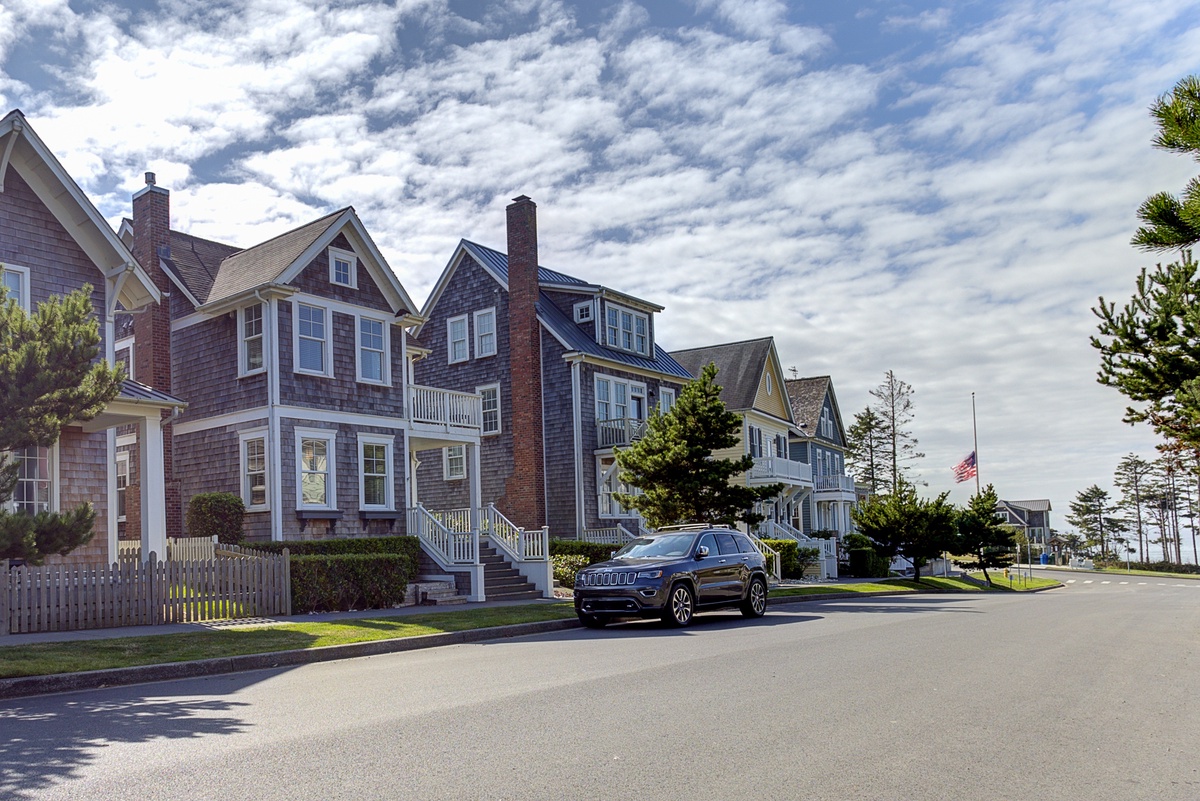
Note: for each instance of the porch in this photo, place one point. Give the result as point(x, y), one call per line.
point(778, 469)
point(827, 566)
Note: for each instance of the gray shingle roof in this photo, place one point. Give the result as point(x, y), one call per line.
point(264, 262)
point(807, 397)
point(1038, 505)
point(196, 261)
point(740, 367)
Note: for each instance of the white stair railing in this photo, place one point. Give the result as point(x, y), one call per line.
point(615, 535)
point(772, 556)
point(519, 544)
point(458, 520)
point(455, 547)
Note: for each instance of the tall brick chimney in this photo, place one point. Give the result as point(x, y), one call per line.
point(525, 490)
point(152, 328)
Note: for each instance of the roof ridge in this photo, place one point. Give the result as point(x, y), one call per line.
point(724, 344)
point(291, 231)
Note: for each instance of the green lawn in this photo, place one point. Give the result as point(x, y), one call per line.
point(71, 657)
point(786, 592)
point(1019, 583)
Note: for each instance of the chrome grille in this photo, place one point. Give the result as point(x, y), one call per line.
point(611, 578)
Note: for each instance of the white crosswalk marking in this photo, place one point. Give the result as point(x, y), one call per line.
point(1124, 582)
point(1089, 581)
point(1106, 582)
point(1140, 583)
point(1070, 581)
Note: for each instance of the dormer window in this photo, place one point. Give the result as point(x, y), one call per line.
point(627, 330)
point(343, 268)
point(583, 312)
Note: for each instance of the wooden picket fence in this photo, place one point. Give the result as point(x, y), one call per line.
point(234, 583)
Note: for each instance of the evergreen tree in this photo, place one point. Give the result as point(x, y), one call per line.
point(981, 535)
point(49, 377)
point(1131, 479)
point(900, 523)
point(894, 405)
point(867, 451)
point(673, 465)
point(1092, 514)
point(1174, 223)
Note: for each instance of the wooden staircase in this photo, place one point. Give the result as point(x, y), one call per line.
point(502, 581)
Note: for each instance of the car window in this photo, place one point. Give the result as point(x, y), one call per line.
point(667, 545)
point(728, 546)
point(710, 542)
point(746, 545)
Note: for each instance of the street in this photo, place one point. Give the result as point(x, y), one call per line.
point(1086, 692)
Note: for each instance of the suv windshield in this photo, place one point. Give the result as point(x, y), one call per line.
point(665, 546)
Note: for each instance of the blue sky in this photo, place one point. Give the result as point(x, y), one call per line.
point(942, 190)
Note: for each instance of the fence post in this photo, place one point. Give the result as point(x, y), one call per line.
point(4, 596)
point(287, 582)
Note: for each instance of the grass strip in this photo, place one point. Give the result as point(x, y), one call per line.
point(786, 592)
point(71, 657)
point(937, 583)
point(1018, 584)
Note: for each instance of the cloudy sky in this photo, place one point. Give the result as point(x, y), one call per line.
point(940, 190)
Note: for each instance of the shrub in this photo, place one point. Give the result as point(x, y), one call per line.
point(865, 563)
point(218, 513)
point(788, 567)
point(341, 582)
point(806, 558)
point(406, 546)
point(566, 566)
point(594, 551)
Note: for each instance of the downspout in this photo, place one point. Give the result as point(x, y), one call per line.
point(580, 519)
point(273, 442)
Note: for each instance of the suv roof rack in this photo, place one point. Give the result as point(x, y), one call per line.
point(693, 527)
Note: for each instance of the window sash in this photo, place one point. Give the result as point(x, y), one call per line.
point(456, 462)
point(376, 473)
point(485, 333)
point(255, 479)
point(457, 339)
point(122, 484)
point(311, 330)
point(491, 409)
point(14, 280)
point(341, 271)
point(252, 338)
point(33, 491)
point(371, 350)
point(666, 399)
point(314, 471)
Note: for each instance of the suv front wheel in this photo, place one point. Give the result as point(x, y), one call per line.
point(755, 604)
point(681, 606)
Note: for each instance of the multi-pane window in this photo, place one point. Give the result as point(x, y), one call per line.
point(342, 267)
point(254, 478)
point(617, 399)
point(627, 330)
point(375, 459)
point(781, 445)
point(371, 350)
point(32, 493)
point(609, 483)
point(666, 399)
point(252, 339)
point(315, 471)
point(16, 282)
point(485, 333)
point(122, 483)
point(312, 332)
point(603, 401)
point(456, 339)
point(456, 462)
point(756, 442)
point(491, 409)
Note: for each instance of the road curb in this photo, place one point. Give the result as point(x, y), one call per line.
point(24, 686)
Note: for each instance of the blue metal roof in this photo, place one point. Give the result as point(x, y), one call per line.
point(577, 340)
point(497, 262)
point(140, 393)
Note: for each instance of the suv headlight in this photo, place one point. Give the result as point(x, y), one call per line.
point(649, 574)
point(579, 578)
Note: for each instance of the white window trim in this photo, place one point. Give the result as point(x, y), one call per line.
point(770, 384)
point(585, 312)
point(499, 409)
point(387, 350)
point(241, 332)
point(345, 255)
point(479, 354)
point(257, 433)
point(388, 442)
point(663, 394)
point(126, 343)
point(52, 455)
point(629, 392)
point(122, 456)
point(633, 333)
point(26, 291)
point(328, 372)
point(450, 342)
point(330, 436)
point(446, 463)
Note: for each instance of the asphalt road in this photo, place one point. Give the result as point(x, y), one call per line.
point(1087, 692)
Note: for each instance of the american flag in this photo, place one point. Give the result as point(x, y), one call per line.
point(966, 469)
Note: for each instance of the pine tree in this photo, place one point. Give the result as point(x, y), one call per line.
point(49, 377)
point(1131, 479)
point(867, 451)
point(985, 538)
point(894, 405)
point(1174, 223)
point(901, 523)
point(1092, 514)
point(673, 465)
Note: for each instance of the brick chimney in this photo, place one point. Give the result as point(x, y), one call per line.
point(525, 490)
point(152, 328)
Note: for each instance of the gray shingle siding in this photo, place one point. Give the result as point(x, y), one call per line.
point(314, 279)
point(217, 450)
point(204, 367)
point(558, 439)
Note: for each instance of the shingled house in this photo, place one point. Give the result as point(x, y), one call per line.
point(54, 241)
point(819, 440)
point(568, 371)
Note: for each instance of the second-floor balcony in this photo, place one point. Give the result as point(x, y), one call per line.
point(773, 469)
point(619, 432)
point(445, 407)
point(839, 484)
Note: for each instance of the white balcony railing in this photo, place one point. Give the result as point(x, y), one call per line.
point(616, 535)
point(445, 407)
point(777, 468)
point(835, 483)
point(619, 431)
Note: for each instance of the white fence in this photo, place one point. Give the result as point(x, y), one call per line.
point(444, 407)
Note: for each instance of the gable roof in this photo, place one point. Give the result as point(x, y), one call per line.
point(23, 150)
point(1038, 505)
point(740, 366)
point(807, 396)
point(195, 262)
point(563, 329)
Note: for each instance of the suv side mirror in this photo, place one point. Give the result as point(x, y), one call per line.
point(702, 552)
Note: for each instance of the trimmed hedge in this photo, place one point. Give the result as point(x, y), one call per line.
point(218, 513)
point(594, 551)
point(865, 563)
point(404, 545)
point(342, 582)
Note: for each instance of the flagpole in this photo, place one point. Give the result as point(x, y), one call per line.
point(975, 431)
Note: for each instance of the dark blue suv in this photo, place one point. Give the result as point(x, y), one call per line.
point(672, 574)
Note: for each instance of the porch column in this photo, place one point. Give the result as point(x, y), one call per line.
point(154, 489)
point(476, 491)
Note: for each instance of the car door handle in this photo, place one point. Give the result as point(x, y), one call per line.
point(722, 561)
